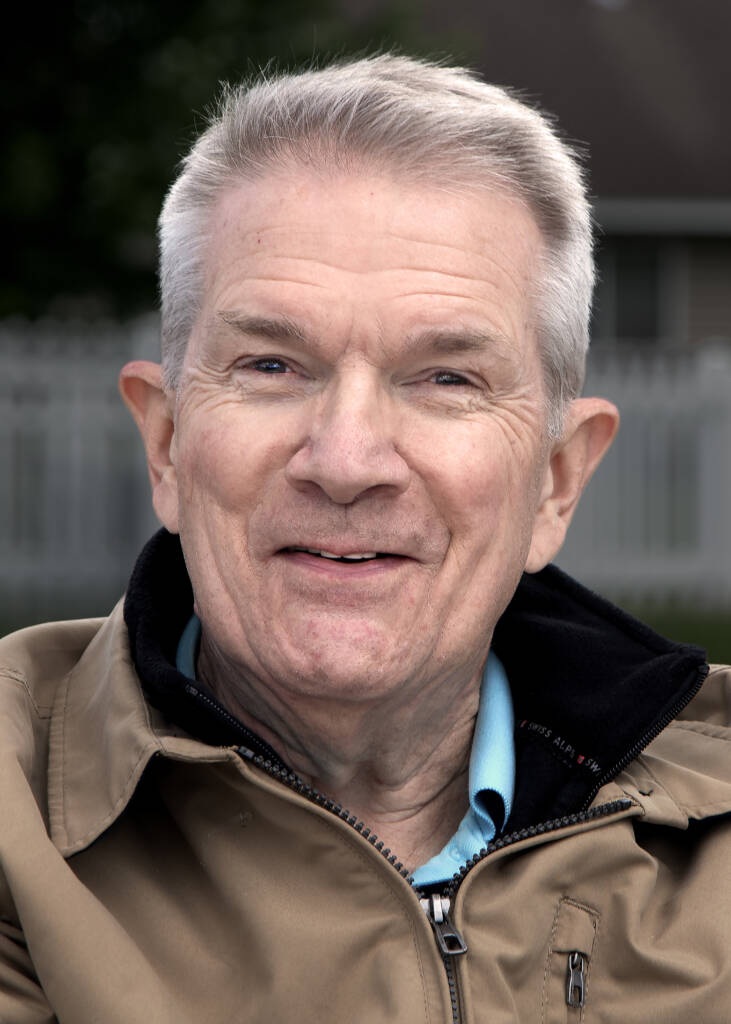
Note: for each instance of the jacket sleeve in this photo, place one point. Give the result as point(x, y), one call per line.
point(22, 1000)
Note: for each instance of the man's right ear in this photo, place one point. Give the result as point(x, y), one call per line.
point(140, 384)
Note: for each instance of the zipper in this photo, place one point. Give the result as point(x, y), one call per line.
point(285, 775)
point(253, 742)
point(575, 980)
point(281, 773)
point(649, 736)
point(449, 939)
point(552, 825)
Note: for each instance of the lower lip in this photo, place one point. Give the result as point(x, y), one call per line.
point(343, 570)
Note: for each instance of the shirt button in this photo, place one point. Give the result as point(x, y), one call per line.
point(454, 853)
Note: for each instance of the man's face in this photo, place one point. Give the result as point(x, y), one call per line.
point(363, 379)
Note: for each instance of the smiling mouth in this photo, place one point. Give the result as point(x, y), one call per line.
point(355, 556)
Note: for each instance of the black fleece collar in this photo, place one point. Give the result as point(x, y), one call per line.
point(591, 685)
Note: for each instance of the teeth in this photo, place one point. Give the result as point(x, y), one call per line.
point(361, 556)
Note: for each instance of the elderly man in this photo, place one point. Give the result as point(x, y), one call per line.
point(350, 751)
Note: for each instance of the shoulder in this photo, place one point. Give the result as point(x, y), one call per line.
point(712, 703)
point(684, 775)
point(36, 660)
point(35, 666)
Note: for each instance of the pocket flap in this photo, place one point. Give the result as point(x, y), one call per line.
point(575, 928)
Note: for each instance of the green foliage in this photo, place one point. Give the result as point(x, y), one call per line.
point(710, 629)
point(101, 100)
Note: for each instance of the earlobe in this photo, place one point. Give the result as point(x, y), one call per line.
point(140, 384)
point(591, 424)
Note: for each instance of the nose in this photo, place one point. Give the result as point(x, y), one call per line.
point(351, 448)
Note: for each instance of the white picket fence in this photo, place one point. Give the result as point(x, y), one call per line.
point(74, 500)
point(655, 523)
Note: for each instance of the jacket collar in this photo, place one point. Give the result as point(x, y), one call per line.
point(683, 776)
point(103, 734)
point(591, 688)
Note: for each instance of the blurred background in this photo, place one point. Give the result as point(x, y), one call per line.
point(102, 98)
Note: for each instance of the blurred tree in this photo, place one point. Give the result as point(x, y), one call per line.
point(101, 99)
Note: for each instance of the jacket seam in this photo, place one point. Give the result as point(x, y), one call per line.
point(123, 799)
point(701, 811)
point(687, 810)
point(549, 959)
point(587, 980)
point(62, 769)
point(353, 845)
point(100, 825)
point(706, 730)
point(646, 767)
point(595, 915)
point(41, 710)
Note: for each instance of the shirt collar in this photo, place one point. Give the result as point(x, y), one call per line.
point(491, 778)
point(187, 652)
point(492, 760)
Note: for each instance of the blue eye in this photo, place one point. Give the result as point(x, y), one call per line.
point(270, 365)
point(445, 377)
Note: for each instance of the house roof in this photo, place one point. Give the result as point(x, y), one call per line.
point(646, 84)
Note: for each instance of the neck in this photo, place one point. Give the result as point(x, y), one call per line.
point(400, 767)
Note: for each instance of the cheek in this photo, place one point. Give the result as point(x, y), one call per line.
point(470, 464)
point(485, 489)
point(222, 461)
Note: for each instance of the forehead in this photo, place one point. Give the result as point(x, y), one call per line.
point(305, 246)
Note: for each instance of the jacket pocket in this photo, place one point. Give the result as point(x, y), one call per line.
point(566, 995)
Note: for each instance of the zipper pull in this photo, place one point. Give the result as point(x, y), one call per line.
point(449, 940)
point(575, 980)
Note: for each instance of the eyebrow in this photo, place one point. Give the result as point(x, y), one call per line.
point(443, 341)
point(451, 341)
point(276, 328)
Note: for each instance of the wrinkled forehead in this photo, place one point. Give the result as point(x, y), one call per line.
point(373, 233)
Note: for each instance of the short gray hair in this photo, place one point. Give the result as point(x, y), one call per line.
point(420, 120)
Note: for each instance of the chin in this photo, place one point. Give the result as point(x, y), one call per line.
point(344, 672)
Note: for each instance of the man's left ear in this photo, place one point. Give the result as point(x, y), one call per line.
point(590, 426)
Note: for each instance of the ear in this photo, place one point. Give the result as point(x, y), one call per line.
point(140, 384)
point(591, 424)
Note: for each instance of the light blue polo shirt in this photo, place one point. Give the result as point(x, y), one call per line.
point(491, 771)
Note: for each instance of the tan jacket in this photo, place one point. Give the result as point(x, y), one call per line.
point(148, 877)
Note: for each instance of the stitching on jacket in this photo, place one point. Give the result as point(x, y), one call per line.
point(689, 809)
point(62, 774)
point(595, 916)
point(549, 957)
point(707, 810)
point(42, 710)
point(586, 907)
point(705, 729)
point(661, 787)
point(124, 797)
point(148, 750)
point(99, 826)
point(405, 909)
